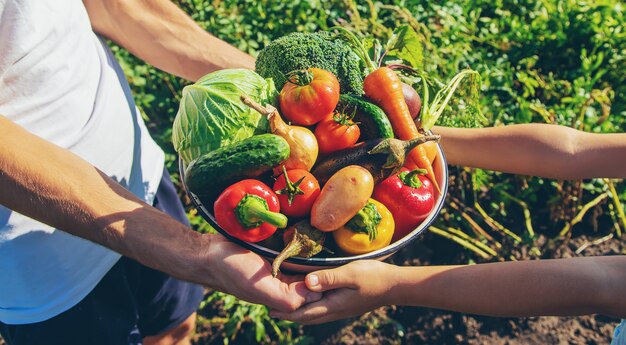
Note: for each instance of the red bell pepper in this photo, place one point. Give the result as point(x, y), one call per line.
point(248, 210)
point(409, 196)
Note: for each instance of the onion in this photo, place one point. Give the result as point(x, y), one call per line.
point(303, 147)
point(302, 143)
point(412, 99)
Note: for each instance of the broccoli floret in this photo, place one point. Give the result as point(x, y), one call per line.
point(303, 50)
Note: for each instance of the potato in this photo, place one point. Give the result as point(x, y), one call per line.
point(345, 193)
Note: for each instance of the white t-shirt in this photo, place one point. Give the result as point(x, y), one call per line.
point(59, 81)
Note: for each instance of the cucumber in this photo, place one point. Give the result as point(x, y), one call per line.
point(209, 174)
point(372, 120)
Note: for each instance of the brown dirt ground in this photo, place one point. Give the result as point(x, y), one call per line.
point(411, 325)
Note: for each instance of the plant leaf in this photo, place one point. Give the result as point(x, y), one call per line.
point(405, 44)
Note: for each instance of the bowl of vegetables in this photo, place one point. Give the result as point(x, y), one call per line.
point(329, 252)
point(312, 176)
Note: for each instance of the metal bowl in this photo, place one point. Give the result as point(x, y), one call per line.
point(305, 265)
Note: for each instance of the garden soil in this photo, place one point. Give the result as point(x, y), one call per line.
point(412, 325)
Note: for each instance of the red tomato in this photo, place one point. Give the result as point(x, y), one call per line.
point(309, 96)
point(336, 133)
point(296, 194)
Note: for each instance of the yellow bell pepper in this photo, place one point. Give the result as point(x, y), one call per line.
point(371, 229)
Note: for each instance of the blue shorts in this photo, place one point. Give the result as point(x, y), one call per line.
point(131, 301)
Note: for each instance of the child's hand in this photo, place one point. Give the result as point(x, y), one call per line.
point(351, 290)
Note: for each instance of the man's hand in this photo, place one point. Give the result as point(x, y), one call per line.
point(350, 290)
point(244, 274)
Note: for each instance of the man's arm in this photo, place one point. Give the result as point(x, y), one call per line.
point(56, 187)
point(537, 149)
point(160, 33)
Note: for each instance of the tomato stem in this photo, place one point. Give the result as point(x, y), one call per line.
point(292, 189)
point(252, 211)
point(344, 119)
point(300, 77)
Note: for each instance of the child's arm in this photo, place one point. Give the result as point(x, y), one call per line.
point(537, 149)
point(523, 288)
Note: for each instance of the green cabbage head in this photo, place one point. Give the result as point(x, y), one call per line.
point(211, 114)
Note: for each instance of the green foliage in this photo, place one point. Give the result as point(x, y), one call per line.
point(407, 46)
point(248, 323)
point(559, 61)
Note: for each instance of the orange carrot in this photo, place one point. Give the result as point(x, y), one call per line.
point(431, 150)
point(383, 86)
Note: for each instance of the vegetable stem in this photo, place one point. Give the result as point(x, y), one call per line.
point(300, 240)
point(616, 226)
point(425, 102)
point(410, 144)
point(496, 224)
point(292, 189)
point(357, 47)
point(593, 243)
point(366, 221)
point(300, 77)
point(252, 210)
point(256, 106)
point(293, 248)
point(618, 204)
point(432, 112)
point(397, 150)
point(474, 241)
point(527, 216)
point(478, 230)
point(460, 241)
point(410, 178)
point(582, 212)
